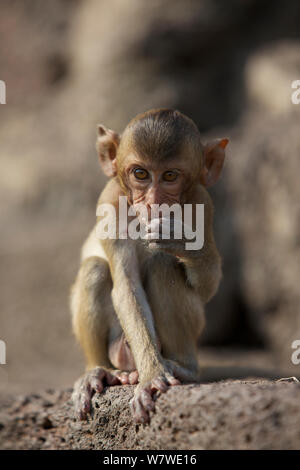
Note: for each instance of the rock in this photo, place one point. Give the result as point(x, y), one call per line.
point(250, 414)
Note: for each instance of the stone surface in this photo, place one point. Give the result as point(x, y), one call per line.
point(250, 414)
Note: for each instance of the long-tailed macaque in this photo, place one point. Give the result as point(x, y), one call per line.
point(138, 304)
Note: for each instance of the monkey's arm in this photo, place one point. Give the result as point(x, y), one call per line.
point(135, 316)
point(202, 266)
point(128, 295)
point(131, 306)
point(204, 273)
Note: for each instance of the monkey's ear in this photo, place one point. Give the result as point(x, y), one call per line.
point(107, 146)
point(214, 155)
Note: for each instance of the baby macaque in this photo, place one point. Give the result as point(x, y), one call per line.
point(138, 302)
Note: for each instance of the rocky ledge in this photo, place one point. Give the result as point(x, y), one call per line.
point(248, 414)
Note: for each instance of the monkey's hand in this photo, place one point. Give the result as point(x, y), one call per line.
point(173, 236)
point(143, 401)
point(94, 381)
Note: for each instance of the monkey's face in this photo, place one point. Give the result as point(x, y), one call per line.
point(159, 157)
point(150, 183)
point(159, 161)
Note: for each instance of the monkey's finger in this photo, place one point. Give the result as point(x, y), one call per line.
point(82, 406)
point(147, 400)
point(80, 414)
point(77, 407)
point(133, 377)
point(159, 384)
point(123, 377)
point(172, 380)
point(82, 398)
point(165, 225)
point(96, 384)
point(112, 379)
point(85, 405)
point(140, 415)
point(100, 373)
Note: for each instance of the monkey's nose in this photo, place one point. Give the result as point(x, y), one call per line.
point(154, 196)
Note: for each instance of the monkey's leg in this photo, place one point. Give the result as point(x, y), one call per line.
point(95, 326)
point(178, 316)
point(178, 320)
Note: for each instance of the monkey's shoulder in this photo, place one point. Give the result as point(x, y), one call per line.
point(111, 192)
point(200, 195)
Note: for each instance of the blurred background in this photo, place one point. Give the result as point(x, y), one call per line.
point(69, 64)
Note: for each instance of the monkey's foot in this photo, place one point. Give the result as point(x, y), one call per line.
point(127, 378)
point(143, 401)
point(94, 381)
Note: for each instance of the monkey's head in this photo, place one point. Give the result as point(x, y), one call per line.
point(160, 157)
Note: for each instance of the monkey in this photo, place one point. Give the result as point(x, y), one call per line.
point(137, 305)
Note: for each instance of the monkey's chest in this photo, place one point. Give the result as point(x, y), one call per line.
point(162, 271)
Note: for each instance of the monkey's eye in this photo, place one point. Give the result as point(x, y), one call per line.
point(140, 174)
point(170, 176)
